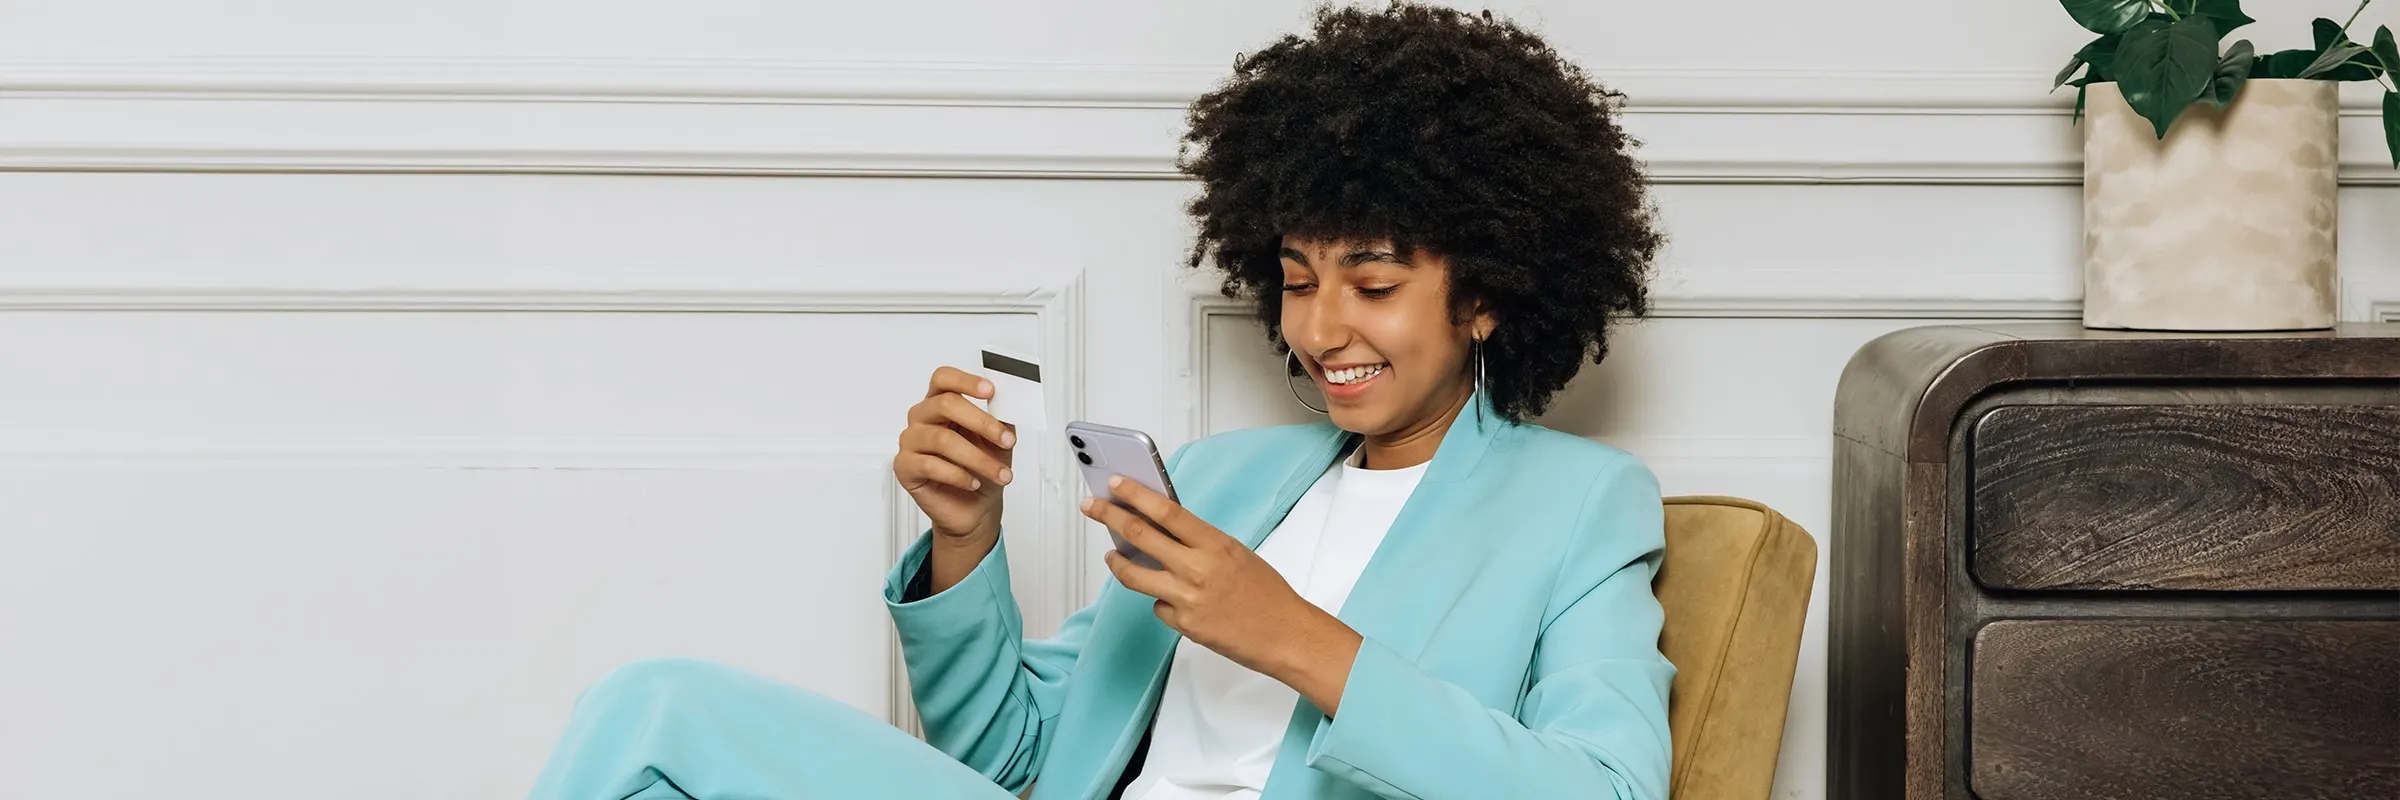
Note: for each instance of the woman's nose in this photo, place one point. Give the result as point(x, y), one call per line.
point(1318, 327)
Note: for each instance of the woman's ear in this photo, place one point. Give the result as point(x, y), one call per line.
point(1482, 326)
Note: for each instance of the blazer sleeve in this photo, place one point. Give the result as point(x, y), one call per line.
point(1593, 719)
point(988, 696)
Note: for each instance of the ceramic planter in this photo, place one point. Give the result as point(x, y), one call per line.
point(2227, 224)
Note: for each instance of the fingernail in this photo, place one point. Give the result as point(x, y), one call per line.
point(1007, 475)
point(1116, 481)
point(984, 387)
point(1088, 503)
point(974, 484)
point(1008, 438)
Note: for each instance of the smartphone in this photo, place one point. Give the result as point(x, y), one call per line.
point(1102, 451)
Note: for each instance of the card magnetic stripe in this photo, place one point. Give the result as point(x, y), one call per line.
point(1010, 366)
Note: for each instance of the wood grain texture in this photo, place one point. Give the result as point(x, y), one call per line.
point(1900, 392)
point(2196, 709)
point(2211, 497)
point(1905, 606)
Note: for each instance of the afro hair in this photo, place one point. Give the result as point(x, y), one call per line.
point(1441, 130)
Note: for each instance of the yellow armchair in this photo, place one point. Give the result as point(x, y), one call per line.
point(1735, 585)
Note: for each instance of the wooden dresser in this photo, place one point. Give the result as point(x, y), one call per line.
point(2090, 564)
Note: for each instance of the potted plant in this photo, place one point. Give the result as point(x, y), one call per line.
point(2210, 170)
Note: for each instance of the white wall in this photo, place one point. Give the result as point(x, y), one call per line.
point(378, 374)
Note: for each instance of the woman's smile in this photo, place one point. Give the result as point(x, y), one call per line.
point(1349, 384)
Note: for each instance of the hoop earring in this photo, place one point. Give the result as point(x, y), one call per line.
point(1292, 368)
point(1480, 384)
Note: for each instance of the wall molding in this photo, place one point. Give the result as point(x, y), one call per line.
point(1056, 301)
point(957, 292)
point(643, 79)
point(907, 523)
point(1190, 350)
point(970, 120)
point(1193, 302)
point(2386, 309)
point(621, 80)
point(474, 451)
point(1925, 308)
point(2367, 298)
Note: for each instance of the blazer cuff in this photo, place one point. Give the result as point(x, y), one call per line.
point(1384, 693)
point(965, 606)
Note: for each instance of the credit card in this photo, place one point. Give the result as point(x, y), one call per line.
point(1017, 396)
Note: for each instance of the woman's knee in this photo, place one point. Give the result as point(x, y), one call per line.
point(653, 679)
point(688, 683)
point(693, 701)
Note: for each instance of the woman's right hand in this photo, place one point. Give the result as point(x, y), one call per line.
point(954, 459)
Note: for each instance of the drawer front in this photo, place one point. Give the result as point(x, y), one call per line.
point(2209, 497)
point(2062, 709)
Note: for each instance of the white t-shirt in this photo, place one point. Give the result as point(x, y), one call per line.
point(1219, 724)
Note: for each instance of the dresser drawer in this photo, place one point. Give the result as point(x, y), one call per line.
point(2063, 709)
point(2208, 497)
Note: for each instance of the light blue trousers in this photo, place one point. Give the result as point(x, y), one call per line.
point(674, 729)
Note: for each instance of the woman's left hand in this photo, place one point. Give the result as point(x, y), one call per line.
point(1221, 594)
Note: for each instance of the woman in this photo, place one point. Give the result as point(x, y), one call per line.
point(1424, 596)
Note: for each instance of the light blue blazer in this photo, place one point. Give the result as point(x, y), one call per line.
point(1511, 635)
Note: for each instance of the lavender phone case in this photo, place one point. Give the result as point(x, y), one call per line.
point(1101, 451)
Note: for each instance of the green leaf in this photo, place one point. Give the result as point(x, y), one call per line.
point(2100, 53)
point(2067, 73)
point(2227, 14)
point(2358, 69)
point(2283, 64)
point(2231, 72)
point(2107, 16)
point(2163, 67)
point(2327, 33)
point(2334, 59)
point(2334, 52)
point(2387, 51)
point(2391, 126)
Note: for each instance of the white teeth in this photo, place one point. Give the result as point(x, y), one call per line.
point(1353, 374)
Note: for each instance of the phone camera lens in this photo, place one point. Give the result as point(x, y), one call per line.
point(1086, 458)
point(1077, 441)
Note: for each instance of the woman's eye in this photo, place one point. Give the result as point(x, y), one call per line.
point(1298, 287)
point(1381, 291)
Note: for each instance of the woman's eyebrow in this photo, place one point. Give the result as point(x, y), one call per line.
point(1355, 258)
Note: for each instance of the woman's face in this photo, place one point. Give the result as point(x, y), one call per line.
point(1374, 332)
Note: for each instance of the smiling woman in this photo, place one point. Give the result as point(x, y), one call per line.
point(1425, 595)
point(1479, 152)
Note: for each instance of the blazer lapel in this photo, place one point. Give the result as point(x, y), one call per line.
point(1303, 473)
point(1397, 600)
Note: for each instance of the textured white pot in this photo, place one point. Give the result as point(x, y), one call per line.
point(2228, 224)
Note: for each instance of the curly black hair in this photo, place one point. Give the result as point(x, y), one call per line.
point(1433, 129)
